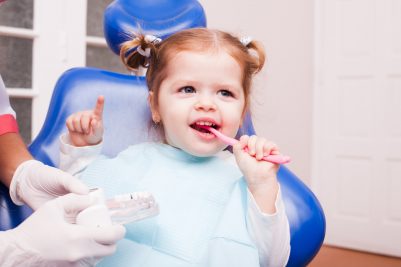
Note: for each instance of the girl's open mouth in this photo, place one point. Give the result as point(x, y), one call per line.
point(200, 127)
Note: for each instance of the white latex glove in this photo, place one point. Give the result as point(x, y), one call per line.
point(46, 239)
point(34, 183)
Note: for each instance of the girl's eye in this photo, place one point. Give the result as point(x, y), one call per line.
point(187, 90)
point(226, 93)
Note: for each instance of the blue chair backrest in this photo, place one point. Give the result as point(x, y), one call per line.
point(11, 215)
point(127, 116)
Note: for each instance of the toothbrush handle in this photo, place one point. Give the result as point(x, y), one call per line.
point(277, 159)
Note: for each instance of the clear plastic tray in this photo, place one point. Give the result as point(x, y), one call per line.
point(132, 207)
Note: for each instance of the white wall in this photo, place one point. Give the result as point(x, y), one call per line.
point(282, 96)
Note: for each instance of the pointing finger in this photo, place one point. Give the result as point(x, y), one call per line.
point(98, 111)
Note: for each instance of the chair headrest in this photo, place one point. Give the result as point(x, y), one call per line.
point(157, 17)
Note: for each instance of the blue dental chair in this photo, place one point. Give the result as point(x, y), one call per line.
point(126, 115)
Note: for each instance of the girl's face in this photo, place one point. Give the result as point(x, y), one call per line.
point(200, 89)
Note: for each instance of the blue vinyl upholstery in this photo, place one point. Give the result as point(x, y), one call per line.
point(127, 116)
point(10, 214)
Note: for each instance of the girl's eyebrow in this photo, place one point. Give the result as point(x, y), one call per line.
point(226, 85)
point(185, 82)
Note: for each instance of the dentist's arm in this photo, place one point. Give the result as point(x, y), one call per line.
point(30, 181)
point(12, 149)
point(12, 153)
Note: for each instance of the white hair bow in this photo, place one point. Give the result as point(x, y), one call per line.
point(148, 39)
point(245, 40)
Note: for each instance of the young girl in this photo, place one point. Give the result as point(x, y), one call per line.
point(216, 209)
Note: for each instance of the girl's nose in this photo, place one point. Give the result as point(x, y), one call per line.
point(205, 105)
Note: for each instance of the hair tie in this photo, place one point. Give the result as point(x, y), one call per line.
point(245, 40)
point(145, 53)
point(152, 39)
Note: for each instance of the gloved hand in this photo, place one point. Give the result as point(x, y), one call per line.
point(46, 239)
point(34, 184)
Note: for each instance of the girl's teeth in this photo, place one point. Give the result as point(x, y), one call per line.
point(207, 123)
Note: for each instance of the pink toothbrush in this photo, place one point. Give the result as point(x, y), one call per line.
point(277, 159)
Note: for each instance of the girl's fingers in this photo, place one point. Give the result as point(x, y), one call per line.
point(260, 148)
point(267, 148)
point(270, 148)
point(69, 124)
point(243, 141)
point(73, 123)
point(85, 123)
point(251, 145)
point(93, 126)
point(76, 121)
point(275, 151)
point(98, 110)
point(257, 147)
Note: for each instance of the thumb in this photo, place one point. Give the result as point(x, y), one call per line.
point(97, 128)
point(108, 235)
point(73, 203)
point(240, 145)
point(72, 185)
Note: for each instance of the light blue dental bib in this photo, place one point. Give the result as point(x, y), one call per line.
point(203, 207)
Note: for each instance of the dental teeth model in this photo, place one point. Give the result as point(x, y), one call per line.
point(132, 207)
point(120, 209)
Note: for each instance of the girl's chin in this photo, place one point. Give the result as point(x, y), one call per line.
point(203, 150)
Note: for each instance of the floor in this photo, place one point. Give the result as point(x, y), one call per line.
point(336, 257)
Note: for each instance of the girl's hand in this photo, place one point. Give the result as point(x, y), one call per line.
point(86, 127)
point(260, 175)
point(256, 170)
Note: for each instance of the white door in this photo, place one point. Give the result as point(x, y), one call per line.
point(357, 144)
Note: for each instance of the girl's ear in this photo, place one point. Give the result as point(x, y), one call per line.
point(153, 108)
